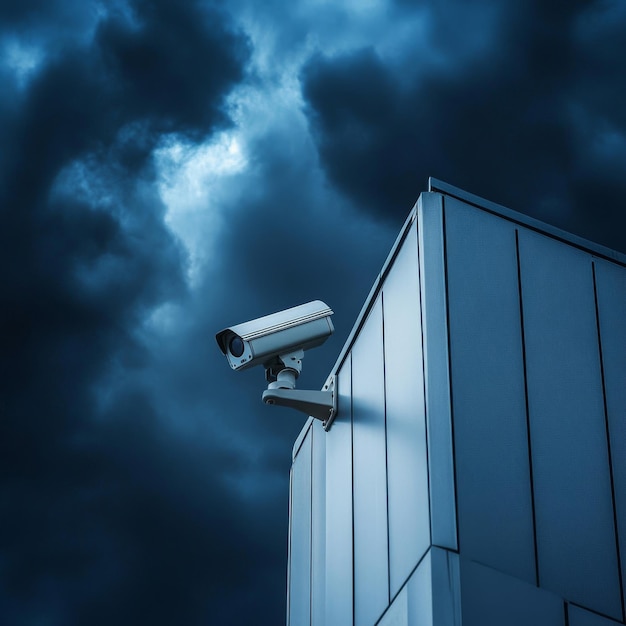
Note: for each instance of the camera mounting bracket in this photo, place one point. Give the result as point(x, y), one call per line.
point(319, 404)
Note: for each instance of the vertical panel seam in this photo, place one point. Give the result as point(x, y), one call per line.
point(290, 510)
point(527, 408)
point(311, 530)
point(352, 490)
point(565, 613)
point(419, 289)
point(382, 316)
point(449, 361)
point(608, 440)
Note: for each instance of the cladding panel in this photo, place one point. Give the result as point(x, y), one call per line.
point(407, 467)
point(494, 501)
point(611, 291)
point(300, 537)
point(371, 563)
point(446, 585)
point(573, 504)
point(577, 616)
point(420, 594)
point(491, 598)
point(339, 521)
point(436, 370)
point(397, 613)
point(318, 524)
point(431, 595)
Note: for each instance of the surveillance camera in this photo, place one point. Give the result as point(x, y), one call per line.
point(278, 342)
point(263, 340)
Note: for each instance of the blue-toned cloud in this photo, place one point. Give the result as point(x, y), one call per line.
point(106, 517)
point(519, 105)
point(168, 168)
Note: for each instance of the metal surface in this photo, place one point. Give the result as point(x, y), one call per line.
point(371, 564)
point(318, 525)
point(611, 297)
point(490, 598)
point(420, 594)
point(339, 569)
point(489, 402)
point(436, 370)
point(577, 616)
point(398, 612)
point(300, 537)
point(572, 487)
point(407, 467)
point(446, 584)
point(300, 438)
point(321, 405)
point(432, 594)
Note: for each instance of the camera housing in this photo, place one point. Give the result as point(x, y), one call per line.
point(263, 340)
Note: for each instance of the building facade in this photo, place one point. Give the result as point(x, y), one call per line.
point(475, 472)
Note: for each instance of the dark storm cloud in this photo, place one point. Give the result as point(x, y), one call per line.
point(141, 481)
point(105, 517)
point(518, 120)
point(173, 69)
point(44, 15)
point(131, 528)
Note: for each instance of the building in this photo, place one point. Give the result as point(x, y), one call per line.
point(475, 472)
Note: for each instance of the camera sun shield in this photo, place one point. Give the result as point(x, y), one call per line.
point(259, 341)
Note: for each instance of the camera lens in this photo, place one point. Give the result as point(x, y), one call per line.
point(235, 346)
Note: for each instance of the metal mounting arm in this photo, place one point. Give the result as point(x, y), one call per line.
point(319, 404)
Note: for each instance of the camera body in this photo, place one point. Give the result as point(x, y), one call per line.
point(263, 340)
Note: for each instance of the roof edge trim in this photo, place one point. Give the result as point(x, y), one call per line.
point(522, 219)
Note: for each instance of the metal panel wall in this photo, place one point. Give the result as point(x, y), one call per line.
point(407, 468)
point(611, 297)
point(398, 612)
point(572, 486)
point(432, 594)
point(339, 570)
point(318, 524)
point(495, 515)
point(490, 598)
point(420, 594)
point(300, 537)
point(483, 389)
point(371, 564)
point(446, 583)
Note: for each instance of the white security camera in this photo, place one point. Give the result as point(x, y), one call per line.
point(260, 341)
point(278, 342)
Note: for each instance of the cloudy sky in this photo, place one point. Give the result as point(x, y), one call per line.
point(170, 167)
